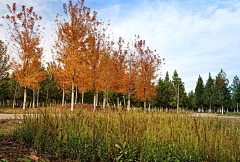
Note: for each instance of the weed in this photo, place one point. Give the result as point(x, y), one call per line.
point(5, 148)
point(26, 160)
point(132, 136)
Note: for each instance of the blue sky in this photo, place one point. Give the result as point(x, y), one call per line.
point(195, 37)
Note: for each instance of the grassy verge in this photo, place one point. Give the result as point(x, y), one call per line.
point(132, 136)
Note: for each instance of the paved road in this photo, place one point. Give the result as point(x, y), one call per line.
point(10, 116)
point(20, 116)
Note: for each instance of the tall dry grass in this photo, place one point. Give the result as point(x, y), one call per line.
point(132, 136)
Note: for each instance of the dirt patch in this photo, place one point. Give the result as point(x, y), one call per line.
point(8, 125)
point(11, 150)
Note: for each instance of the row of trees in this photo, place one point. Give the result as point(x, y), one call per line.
point(85, 57)
point(216, 93)
point(206, 96)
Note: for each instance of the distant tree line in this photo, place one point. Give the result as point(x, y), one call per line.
point(215, 95)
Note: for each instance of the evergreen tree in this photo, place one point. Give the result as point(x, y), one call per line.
point(199, 92)
point(238, 95)
point(191, 100)
point(221, 91)
point(169, 91)
point(160, 93)
point(208, 94)
point(175, 82)
point(4, 95)
point(14, 89)
point(164, 92)
point(234, 94)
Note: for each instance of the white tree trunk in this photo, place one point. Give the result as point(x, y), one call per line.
point(222, 108)
point(128, 105)
point(25, 98)
point(13, 101)
point(144, 105)
point(72, 102)
point(34, 96)
point(82, 97)
point(76, 96)
point(149, 106)
point(63, 95)
point(104, 101)
point(94, 101)
point(38, 97)
point(107, 98)
point(15, 93)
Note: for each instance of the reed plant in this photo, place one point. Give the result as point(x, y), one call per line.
point(132, 136)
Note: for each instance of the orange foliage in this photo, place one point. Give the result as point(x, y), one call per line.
point(118, 66)
point(25, 33)
point(74, 40)
point(148, 64)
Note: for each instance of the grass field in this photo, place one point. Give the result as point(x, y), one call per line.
point(130, 136)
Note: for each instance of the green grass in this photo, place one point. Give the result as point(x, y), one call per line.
point(132, 136)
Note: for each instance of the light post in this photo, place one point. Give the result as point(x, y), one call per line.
point(178, 97)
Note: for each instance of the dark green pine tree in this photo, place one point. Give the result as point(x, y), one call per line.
point(160, 93)
point(169, 91)
point(175, 81)
point(208, 94)
point(238, 95)
point(164, 92)
point(234, 94)
point(199, 92)
point(191, 101)
point(221, 90)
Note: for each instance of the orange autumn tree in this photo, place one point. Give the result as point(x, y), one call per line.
point(97, 58)
point(25, 35)
point(73, 37)
point(131, 69)
point(83, 80)
point(105, 74)
point(118, 66)
point(148, 66)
